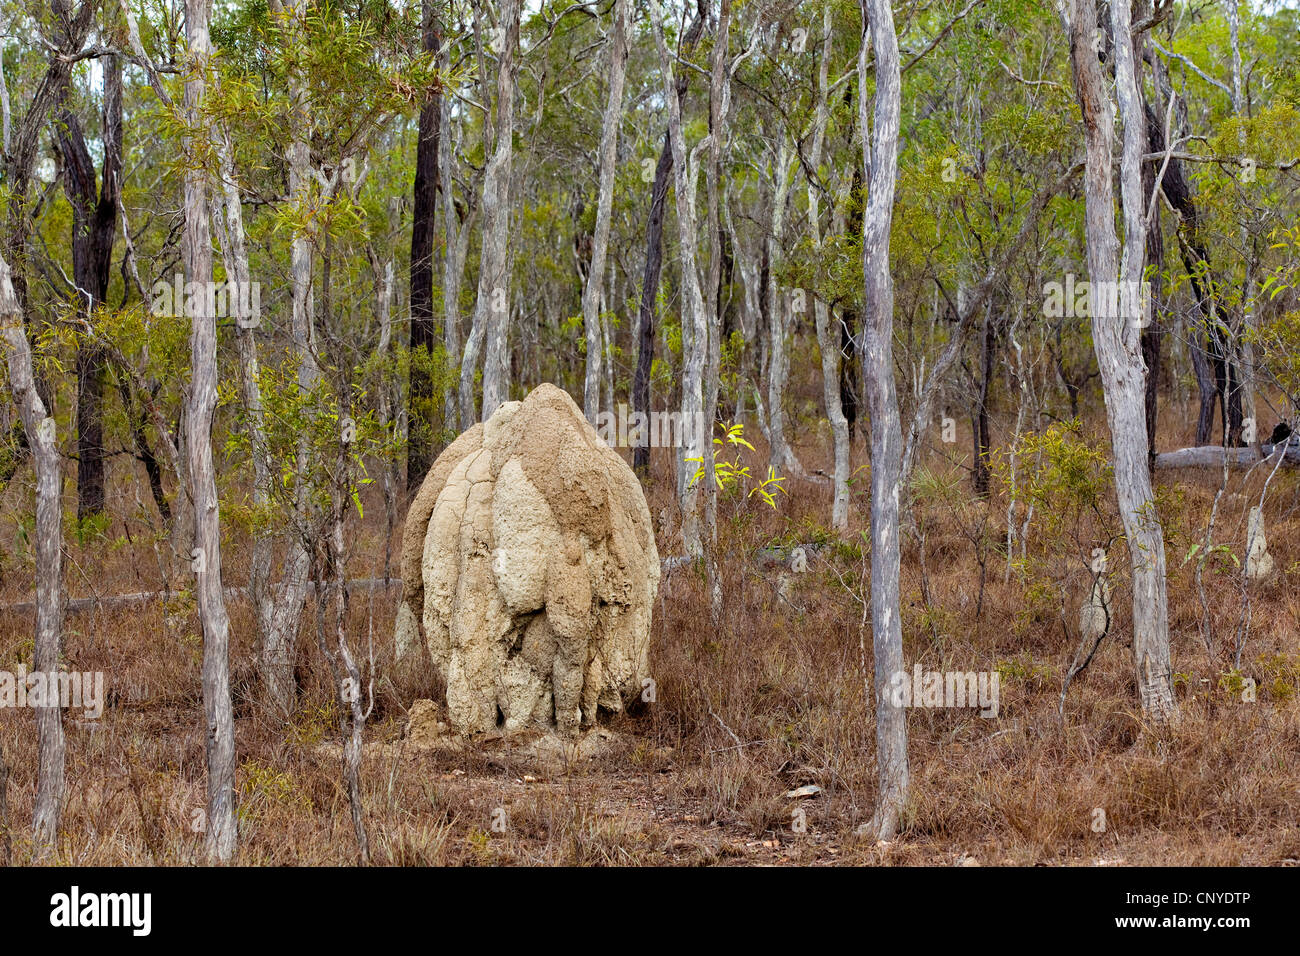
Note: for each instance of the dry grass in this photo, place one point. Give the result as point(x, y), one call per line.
point(783, 675)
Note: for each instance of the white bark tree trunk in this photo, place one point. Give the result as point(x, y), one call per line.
point(42, 440)
point(278, 652)
point(828, 337)
point(1244, 342)
point(234, 249)
point(455, 245)
point(592, 293)
point(492, 310)
point(694, 323)
point(1117, 340)
point(781, 457)
point(880, 156)
point(719, 109)
point(196, 250)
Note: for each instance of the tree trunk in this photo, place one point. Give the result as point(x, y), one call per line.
point(6, 835)
point(136, 422)
point(827, 341)
point(880, 158)
point(41, 439)
point(1117, 340)
point(980, 472)
point(1244, 339)
point(1216, 372)
point(94, 225)
point(196, 249)
point(492, 310)
point(695, 331)
point(649, 298)
point(234, 249)
point(782, 458)
point(850, 321)
point(645, 333)
point(279, 650)
point(1152, 336)
point(424, 333)
point(719, 115)
point(592, 292)
point(353, 710)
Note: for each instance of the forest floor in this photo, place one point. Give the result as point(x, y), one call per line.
point(771, 699)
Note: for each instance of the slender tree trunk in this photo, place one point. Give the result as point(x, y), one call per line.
point(782, 458)
point(1243, 340)
point(828, 342)
point(607, 327)
point(1213, 362)
point(645, 329)
point(980, 472)
point(592, 292)
point(719, 115)
point(39, 429)
point(880, 158)
point(1206, 393)
point(196, 249)
point(234, 249)
point(384, 279)
point(456, 232)
point(850, 322)
point(492, 310)
point(1117, 340)
point(1152, 335)
point(424, 332)
point(136, 422)
point(6, 836)
point(355, 707)
point(279, 651)
point(695, 331)
point(649, 299)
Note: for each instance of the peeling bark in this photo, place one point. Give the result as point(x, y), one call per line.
point(880, 159)
point(196, 249)
point(594, 289)
point(39, 429)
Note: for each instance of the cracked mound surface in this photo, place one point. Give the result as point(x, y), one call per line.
point(529, 559)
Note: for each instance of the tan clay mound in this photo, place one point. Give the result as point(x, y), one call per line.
point(528, 556)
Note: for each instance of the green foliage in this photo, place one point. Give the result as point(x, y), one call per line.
point(1024, 669)
point(93, 528)
point(1058, 472)
point(264, 788)
point(733, 477)
point(426, 423)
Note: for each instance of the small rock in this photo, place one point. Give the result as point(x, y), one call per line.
point(1095, 615)
point(808, 790)
point(423, 728)
point(1259, 563)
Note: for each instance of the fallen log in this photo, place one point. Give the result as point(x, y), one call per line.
point(1211, 456)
